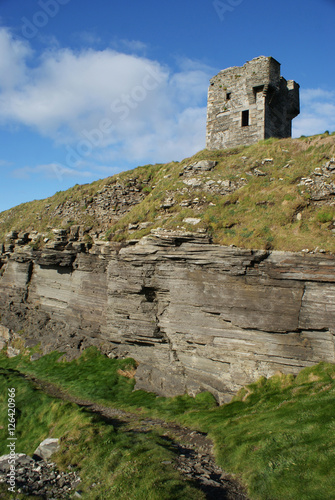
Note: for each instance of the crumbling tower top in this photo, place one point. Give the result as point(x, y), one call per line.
point(250, 103)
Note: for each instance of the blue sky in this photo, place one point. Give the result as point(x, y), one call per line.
point(89, 89)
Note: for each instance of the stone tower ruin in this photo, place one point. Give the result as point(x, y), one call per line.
point(250, 103)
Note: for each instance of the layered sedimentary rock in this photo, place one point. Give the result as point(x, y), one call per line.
point(196, 316)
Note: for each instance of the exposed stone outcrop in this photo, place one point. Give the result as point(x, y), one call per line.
point(321, 183)
point(109, 204)
point(38, 478)
point(87, 214)
point(196, 316)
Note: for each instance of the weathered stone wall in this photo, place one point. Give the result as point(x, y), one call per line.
point(257, 89)
point(196, 316)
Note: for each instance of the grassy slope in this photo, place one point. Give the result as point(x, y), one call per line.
point(278, 435)
point(262, 214)
point(122, 464)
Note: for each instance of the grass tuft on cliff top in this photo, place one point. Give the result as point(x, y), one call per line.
point(272, 211)
point(277, 435)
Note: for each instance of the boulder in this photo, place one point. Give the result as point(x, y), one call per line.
point(47, 448)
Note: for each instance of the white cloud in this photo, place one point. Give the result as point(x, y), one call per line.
point(5, 163)
point(87, 37)
point(317, 112)
point(67, 96)
point(67, 89)
point(50, 171)
point(13, 61)
point(187, 128)
point(131, 45)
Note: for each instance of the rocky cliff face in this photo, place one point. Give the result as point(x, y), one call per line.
point(196, 316)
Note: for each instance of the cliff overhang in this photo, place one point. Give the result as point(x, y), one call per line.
point(196, 316)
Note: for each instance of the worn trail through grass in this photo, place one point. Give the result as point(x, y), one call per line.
point(277, 436)
point(195, 457)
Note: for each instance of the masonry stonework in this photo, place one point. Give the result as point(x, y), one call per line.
point(250, 103)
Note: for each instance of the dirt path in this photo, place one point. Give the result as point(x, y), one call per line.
point(194, 450)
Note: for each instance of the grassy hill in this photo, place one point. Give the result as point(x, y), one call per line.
point(276, 194)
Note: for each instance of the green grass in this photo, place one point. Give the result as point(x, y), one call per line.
point(122, 464)
point(277, 435)
point(97, 377)
point(272, 201)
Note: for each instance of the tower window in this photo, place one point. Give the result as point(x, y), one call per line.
point(228, 96)
point(245, 118)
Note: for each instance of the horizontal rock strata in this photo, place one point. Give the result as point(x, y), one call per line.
point(196, 316)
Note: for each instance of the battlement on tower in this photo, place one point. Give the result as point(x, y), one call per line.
point(250, 103)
